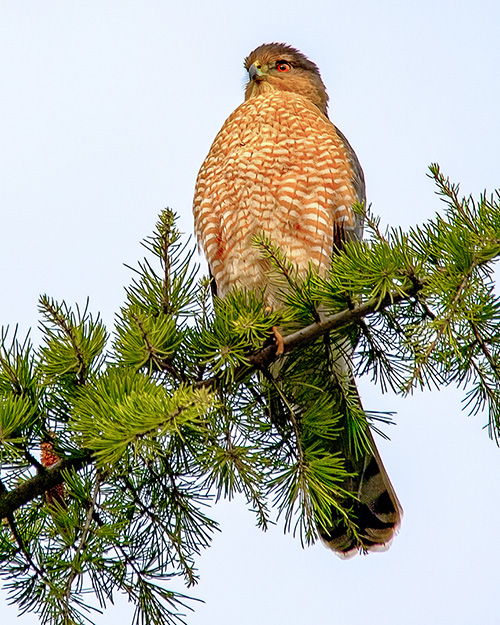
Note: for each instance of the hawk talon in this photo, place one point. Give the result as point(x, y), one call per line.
point(280, 342)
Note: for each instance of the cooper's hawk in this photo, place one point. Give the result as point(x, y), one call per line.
point(279, 166)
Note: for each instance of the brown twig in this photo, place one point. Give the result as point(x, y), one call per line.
point(38, 485)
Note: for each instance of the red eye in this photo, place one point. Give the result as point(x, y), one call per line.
point(283, 66)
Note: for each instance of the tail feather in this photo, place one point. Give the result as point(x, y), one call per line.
point(373, 511)
point(376, 511)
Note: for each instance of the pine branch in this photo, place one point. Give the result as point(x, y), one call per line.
point(13, 499)
point(443, 325)
point(416, 305)
point(20, 542)
point(265, 356)
point(55, 314)
point(484, 348)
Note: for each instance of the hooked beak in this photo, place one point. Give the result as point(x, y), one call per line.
point(255, 72)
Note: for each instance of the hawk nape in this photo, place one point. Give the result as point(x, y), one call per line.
point(280, 167)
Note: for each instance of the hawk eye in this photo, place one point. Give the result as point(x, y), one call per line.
point(283, 66)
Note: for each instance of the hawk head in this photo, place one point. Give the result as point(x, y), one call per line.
point(279, 67)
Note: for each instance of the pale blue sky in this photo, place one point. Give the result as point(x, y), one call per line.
point(107, 110)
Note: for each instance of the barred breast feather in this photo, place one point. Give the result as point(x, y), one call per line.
point(277, 166)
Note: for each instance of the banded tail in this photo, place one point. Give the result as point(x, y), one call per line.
point(376, 509)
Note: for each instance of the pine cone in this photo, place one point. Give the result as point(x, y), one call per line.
point(49, 457)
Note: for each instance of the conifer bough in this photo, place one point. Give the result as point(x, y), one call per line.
point(178, 407)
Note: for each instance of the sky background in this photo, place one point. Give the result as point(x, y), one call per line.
point(107, 110)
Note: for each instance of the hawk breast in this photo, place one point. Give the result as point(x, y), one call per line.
point(278, 166)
